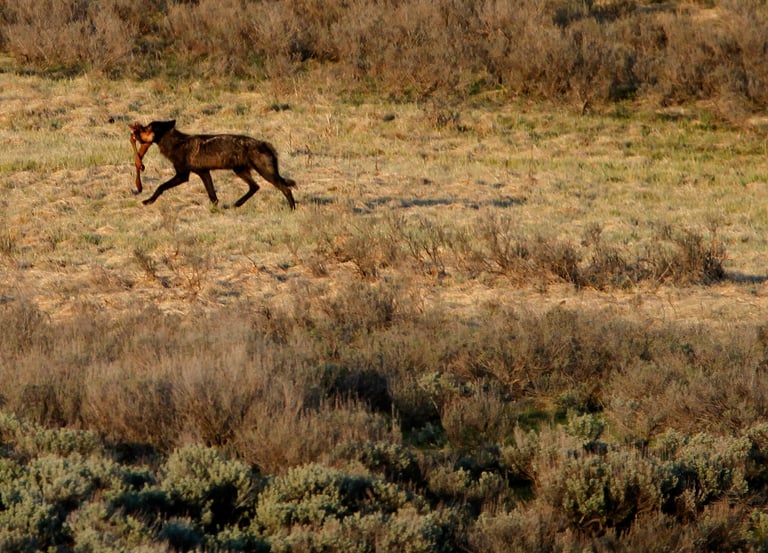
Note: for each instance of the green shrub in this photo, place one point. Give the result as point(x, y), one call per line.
point(38, 498)
point(407, 530)
point(392, 461)
point(757, 462)
point(411, 531)
point(702, 469)
point(182, 534)
point(215, 491)
point(517, 458)
point(64, 482)
point(28, 441)
point(29, 526)
point(459, 486)
point(606, 491)
point(237, 539)
point(313, 493)
point(97, 526)
point(314, 508)
point(587, 428)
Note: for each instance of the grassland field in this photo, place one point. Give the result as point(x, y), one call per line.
point(71, 226)
point(521, 306)
point(395, 202)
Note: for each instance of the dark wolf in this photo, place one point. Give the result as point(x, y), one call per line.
point(201, 153)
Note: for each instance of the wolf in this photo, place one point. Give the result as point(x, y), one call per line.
point(202, 153)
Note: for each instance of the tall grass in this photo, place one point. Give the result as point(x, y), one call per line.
point(462, 415)
point(582, 51)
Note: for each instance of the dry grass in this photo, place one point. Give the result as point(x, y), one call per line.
point(380, 197)
point(492, 324)
point(456, 274)
point(585, 53)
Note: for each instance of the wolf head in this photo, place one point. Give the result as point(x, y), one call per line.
point(153, 132)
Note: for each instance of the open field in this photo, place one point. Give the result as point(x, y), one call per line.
point(370, 175)
point(399, 288)
point(494, 323)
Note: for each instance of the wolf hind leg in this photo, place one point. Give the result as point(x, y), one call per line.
point(264, 161)
point(245, 174)
point(283, 185)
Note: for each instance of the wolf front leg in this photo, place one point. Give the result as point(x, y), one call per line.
point(176, 180)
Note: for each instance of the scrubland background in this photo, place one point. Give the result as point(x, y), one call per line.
point(520, 307)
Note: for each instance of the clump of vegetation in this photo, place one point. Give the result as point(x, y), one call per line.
point(483, 464)
point(339, 511)
point(583, 491)
point(589, 52)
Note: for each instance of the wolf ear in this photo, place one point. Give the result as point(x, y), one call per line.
point(159, 128)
